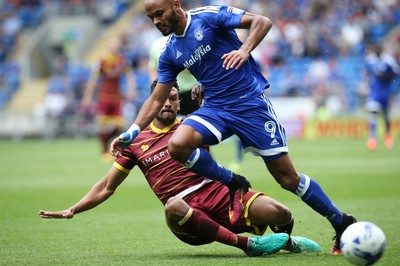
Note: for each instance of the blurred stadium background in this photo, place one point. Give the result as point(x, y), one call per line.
point(313, 58)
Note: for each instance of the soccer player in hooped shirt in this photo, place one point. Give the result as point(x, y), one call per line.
point(198, 210)
point(203, 40)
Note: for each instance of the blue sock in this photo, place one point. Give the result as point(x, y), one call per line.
point(203, 164)
point(313, 195)
point(239, 151)
point(372, 126)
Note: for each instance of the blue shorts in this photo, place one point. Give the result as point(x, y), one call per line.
point(253, 121)
point(377, 105)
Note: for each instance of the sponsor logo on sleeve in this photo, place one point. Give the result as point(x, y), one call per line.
point(234, 10)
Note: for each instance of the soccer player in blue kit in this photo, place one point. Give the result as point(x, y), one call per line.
point(382, 70)
point(204, 41)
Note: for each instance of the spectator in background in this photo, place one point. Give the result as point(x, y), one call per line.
point(11, 27)
point(352, 34)
point(10, 71)
point(107, 11)
point(107, 76)
point(58, 97)
point(78, 75)
point(141, 78)
point(316, 78)
point(382, 70)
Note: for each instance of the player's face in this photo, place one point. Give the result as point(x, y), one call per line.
point(167, 114)
point(163, 15)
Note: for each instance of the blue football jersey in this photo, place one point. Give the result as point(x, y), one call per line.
point(383, 71)
point(209, 34)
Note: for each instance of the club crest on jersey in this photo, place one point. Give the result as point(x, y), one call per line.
point(198, 34)
point(145, 147)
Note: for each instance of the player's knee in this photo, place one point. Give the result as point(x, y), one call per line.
point(172, 205)
point(175, 149)
point(278, 213)
point(268, 211)
point(284, 213)
point(173, 146)
point(175, 209)
point(288, 181)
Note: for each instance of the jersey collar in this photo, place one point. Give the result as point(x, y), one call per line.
point(189, 19)
point(165, 129)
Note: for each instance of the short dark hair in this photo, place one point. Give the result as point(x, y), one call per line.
point(153, 85)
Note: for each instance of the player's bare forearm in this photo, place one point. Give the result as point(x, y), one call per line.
point(89, 91)
point(153, 104)
point(93, 198)
point(100, 192)
point(148, 112)
point(258, 26)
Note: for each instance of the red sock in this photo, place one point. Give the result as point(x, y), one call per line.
point(104, 141)
point(105, 138)
point(201, 224)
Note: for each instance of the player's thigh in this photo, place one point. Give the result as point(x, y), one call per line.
point(265, 210)
point(175, 211)
point(210, 125)
point(373, 105)
point(283, 171)
point(185, 136)
point(258, 128)
point(183, 142)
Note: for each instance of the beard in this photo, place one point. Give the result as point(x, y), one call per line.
point(172, 25)
point(166, 117)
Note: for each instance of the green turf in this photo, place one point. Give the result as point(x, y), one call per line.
point(129, 228)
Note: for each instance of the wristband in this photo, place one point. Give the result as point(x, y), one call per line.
point(133, 128)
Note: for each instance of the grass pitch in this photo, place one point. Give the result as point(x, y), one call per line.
point(129, 228)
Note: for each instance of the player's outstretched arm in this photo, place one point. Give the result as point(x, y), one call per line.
point(101, 191)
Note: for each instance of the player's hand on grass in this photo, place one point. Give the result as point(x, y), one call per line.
point(65, 214)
